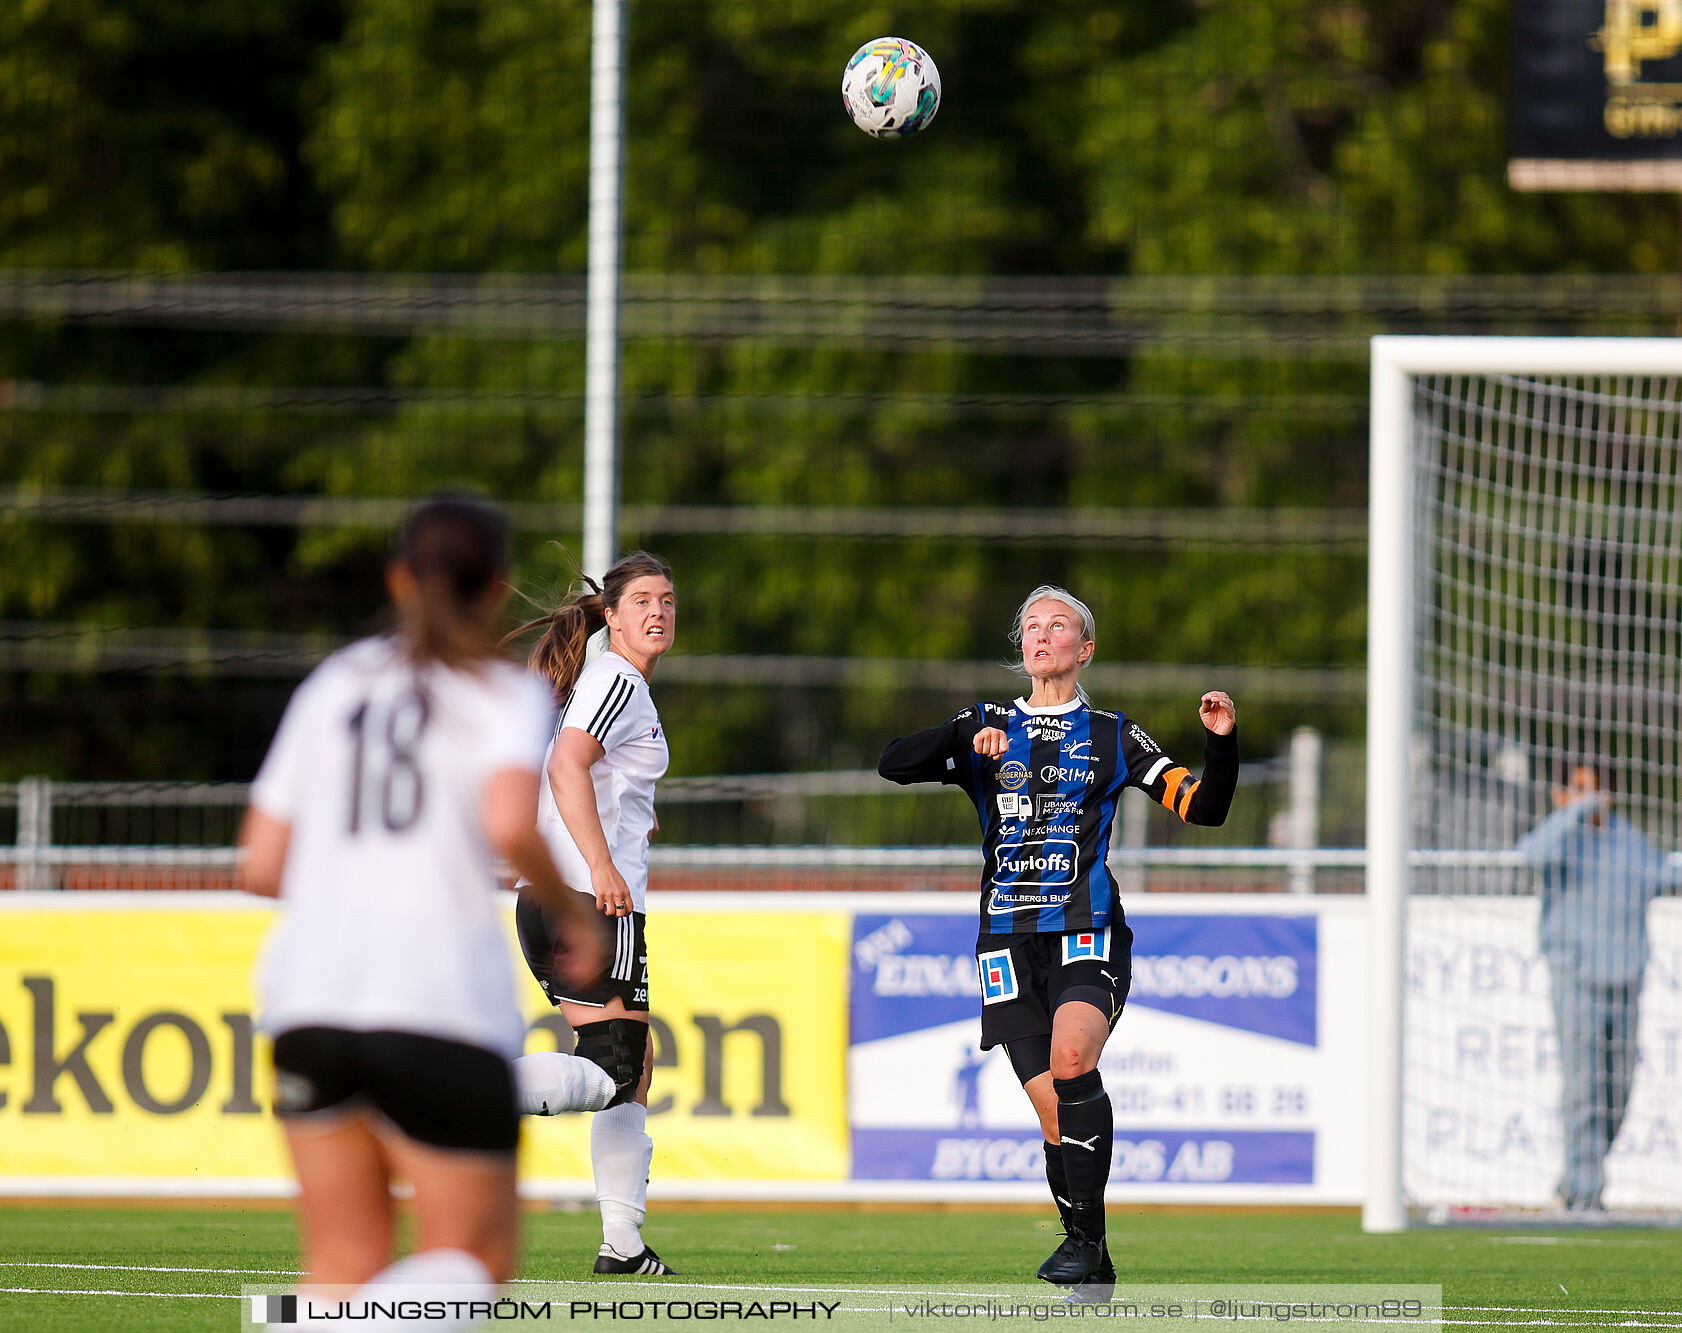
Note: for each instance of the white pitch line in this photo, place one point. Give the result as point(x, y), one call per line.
point(143, 1268)
point(597, 1284)
point(1570, 1319)
point(1555, 1310)
point(1569, 1240)
point(85, 1291)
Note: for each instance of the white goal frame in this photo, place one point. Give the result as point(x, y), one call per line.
point(1396, 361)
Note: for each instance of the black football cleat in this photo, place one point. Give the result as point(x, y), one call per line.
point(648, 1263)
point(1078, 1259)
point(1099, 1289)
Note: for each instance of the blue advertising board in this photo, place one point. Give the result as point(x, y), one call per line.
point(1212, 1070)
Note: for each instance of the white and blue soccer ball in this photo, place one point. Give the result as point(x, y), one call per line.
point(890, 88)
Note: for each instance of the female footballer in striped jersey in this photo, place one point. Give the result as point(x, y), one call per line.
point(402, 766)
point(1054, 951)
point(597, 814)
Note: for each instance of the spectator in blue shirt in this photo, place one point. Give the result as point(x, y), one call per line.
point(1598, 875)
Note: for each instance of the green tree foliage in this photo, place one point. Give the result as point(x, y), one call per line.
point(1115, 141)
point(158, 134)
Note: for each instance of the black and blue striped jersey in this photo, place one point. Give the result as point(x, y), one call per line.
point(1049, 803)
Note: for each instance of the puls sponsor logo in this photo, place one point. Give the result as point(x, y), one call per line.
point(1066, 773)
point(1227, 976)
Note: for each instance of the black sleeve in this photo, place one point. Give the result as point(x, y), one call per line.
point(1204, 800)
point(930, 756)
point(1212, 797)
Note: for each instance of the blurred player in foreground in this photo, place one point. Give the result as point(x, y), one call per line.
point(597, 814)
point(402, 765)
point(1054, 953)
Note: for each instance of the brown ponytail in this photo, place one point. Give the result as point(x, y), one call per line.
point(559, 654)
point(456, 547)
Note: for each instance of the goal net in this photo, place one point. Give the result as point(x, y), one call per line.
point(1525, 777)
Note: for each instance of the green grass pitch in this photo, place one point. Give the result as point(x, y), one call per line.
point(79, 1268)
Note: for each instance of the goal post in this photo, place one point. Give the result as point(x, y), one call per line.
point(1525, 554)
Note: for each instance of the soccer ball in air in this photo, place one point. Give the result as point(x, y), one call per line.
point(890, 88)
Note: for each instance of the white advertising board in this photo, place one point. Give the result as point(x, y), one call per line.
point(1481, 1122)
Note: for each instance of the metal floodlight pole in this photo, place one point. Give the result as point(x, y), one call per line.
point(601, 344)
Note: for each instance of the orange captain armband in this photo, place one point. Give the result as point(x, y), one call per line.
point(1186, 793)
point(1171, 781)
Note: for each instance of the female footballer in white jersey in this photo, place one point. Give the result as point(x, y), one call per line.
point(402, 766)
point(597, 813)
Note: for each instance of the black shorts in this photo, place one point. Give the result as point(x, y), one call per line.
point(447, 1094)
point(1025, 977)
point(627, 973)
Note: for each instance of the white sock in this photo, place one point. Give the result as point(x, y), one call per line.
point(620, 1151)
point(549, 1083)
point(452, 1275)
point(437, 1275)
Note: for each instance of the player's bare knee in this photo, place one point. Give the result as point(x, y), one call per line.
point(1071, 1059)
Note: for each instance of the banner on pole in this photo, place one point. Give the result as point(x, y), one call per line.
point(1597, 95)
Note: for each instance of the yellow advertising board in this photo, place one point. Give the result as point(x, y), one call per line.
point(128, 1051)
point(749, 1017)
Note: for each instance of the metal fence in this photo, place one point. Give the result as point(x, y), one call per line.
point(139, 835)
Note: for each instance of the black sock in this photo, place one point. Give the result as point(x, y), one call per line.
point(1055, 1178)
point(1087, 1128)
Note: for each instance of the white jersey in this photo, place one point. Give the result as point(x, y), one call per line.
point(390, 920)
point(611, 702)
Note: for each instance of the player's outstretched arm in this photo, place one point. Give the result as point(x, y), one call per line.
point(1205, 800)
point(1211, 799)
point(924, 756)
